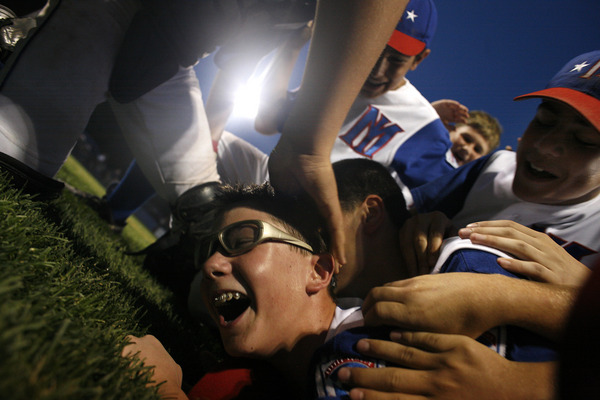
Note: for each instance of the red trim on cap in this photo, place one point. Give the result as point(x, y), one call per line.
point(405, 44)
point(586, 105)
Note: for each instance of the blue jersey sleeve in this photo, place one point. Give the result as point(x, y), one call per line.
point(448, 192)
point(422, 158)
point(521, 345)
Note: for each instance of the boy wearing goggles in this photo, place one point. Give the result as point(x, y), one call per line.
point(265, 281)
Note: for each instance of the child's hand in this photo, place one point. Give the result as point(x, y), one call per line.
point(420, 239)
point(451, 112)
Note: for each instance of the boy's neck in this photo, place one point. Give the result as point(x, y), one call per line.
point(294, 365)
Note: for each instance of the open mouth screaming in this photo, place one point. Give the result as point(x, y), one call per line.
point(230, 305)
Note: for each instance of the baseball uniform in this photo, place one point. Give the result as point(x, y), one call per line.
point(482, 190)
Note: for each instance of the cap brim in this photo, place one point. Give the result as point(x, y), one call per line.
point(586, 105)
point(405, 44)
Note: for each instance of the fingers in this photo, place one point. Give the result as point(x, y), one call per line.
point(323, 190)
point(420, 239)
point(333, 212)
point(366, 394)
point(384, 383)
point(531, 269)
point(437, 231)
point(384, 305)
point(385, 313)
point(503, 224)
point(510, 237)
point(404, 351)
point(296, 173)
point(416, 356)
point(409, 243)
point(541, 258)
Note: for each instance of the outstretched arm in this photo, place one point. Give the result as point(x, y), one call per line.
point(348, 37)
point(438, 303)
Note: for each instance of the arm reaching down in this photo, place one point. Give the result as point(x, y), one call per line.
point(348, 37)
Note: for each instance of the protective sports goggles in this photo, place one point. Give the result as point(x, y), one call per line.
point(241, 237)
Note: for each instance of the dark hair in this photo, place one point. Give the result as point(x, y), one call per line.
point(359, 177)
point(296, 213)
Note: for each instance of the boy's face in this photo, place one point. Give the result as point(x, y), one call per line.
point(265, 286)
point(468, 144)
point(558, 158)
point(388, 73)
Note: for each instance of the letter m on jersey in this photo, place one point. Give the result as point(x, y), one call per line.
point(370, 133)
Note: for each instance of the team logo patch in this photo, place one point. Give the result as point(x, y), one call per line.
point(328, 384)
point(335, 365)
point(371, 132)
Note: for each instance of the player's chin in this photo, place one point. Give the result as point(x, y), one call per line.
point(534, 192)
point(371, 92)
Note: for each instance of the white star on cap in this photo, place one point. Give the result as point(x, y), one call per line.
point(411, 15)
point(579, 67)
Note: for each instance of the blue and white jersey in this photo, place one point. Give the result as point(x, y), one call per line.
point(456, 255)
point(339, 352)
point(482, 190)
point(511, 342)
point(401, 130)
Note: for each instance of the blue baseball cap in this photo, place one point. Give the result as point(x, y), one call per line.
point(415, 29)
point(578, 85)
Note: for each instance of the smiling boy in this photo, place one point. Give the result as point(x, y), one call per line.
point(477, 136)
point(266, 282)
point(390, 121)
point(552, 183)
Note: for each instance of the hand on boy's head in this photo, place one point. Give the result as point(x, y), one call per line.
point(293, 172)
point(420, 239)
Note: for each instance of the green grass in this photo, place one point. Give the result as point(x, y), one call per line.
point(69, 294)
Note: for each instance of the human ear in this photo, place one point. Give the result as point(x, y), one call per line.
point(374, 215)
point(419, 59)
point(321, 273)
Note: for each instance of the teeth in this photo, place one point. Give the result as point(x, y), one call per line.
point(225, 297)
point(536, 168)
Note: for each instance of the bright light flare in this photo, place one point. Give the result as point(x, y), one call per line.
point(247, 97)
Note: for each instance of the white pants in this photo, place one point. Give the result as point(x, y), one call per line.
point(63, 74)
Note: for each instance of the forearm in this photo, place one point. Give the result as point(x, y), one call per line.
point(336, 69)
point(538, 307)
point(529, 381)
